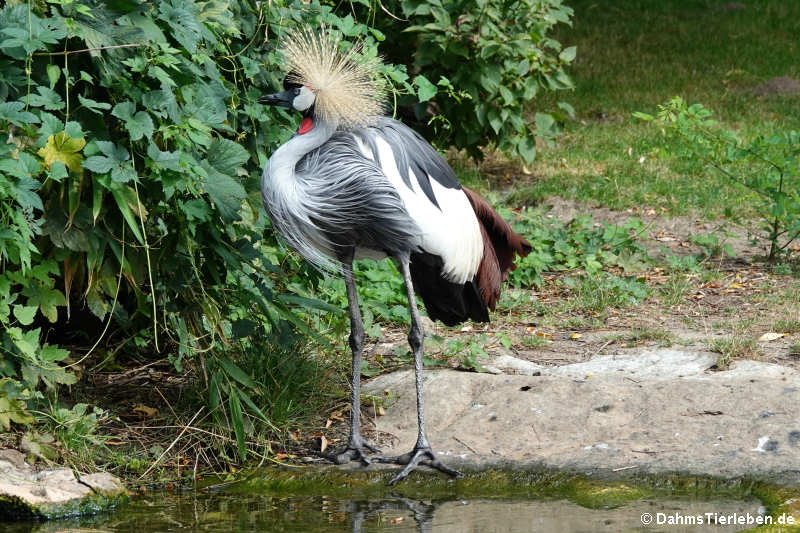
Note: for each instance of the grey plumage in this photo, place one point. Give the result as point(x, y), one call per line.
point(342, 197)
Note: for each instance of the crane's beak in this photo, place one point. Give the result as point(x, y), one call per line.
point(283, 99)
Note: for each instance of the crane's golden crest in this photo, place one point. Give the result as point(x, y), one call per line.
point(346, 84)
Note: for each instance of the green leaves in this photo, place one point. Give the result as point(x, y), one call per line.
point(93, 106)
point(47, 98)
point(138, 125)
point(496, 57)
point(115, 160)
point(226, 156)
point(768, 167)
point(425, 89)
point(12, 112)
point(26, 33)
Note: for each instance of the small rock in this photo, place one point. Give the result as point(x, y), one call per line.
point(26, 493)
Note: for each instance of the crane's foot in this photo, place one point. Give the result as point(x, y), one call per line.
point(419, 455)
point(353, 452)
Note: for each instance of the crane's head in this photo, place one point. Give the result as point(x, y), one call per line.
point(326, 83)
point(295, 96)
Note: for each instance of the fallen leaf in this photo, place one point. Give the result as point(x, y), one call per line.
point(145, 412)
point(575, 336)
point(381, 410)
point(328, 423)
point(396, 520)
point(323, 443)
point(771, 336)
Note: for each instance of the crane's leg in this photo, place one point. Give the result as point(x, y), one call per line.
point(422, 452)
point(356, 443)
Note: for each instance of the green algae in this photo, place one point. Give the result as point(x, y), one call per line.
point(14, 508)
point(594, 492)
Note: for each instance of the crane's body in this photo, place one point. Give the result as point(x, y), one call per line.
point(342, 189)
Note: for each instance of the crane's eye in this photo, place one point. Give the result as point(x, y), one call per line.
point(297, 91)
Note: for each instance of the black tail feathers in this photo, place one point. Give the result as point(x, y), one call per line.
point(452, 303)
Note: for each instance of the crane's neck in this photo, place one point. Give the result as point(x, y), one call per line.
point(281, 165)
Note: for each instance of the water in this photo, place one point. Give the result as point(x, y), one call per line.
point(161, 512)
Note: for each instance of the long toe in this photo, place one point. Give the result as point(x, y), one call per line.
point(414, 458)
point(351, 453)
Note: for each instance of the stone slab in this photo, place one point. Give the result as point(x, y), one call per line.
point(658, 412)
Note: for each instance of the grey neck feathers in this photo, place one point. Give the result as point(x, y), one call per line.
point(283, 161)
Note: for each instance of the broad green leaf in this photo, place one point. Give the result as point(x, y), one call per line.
point(138, 125)
point(141, 125)
point(53, 73)
point(568, 109)
point(117, 153)
point(52, 353)
point(196, 209)
point(123, 173)
point(25, 314)
point(527, 149)
point(51, 375)
point(226, 156)
point(12, 112)
point(568, 54)
point(425, 89)
point(58, 171)
point(226, 193)
point(124, 110)
point(27, 342)
point(544, 123)
point(47, 98)
point(23, 192)
point(13, 411)
point(99, 164)
point(92, 105)
point(47, 299)
point(62, 147)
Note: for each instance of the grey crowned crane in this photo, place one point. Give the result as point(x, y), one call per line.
point(353, 183)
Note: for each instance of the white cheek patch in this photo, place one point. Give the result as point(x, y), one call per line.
point(304, 100)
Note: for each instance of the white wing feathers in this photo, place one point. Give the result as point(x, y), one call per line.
point(450, 231)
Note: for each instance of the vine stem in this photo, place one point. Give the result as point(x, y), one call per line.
point(140, 207)
point(82, 50)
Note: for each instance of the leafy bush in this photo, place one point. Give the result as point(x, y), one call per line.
point(129, 175)
point(767, 166)
point(576, 245)
point(479, 63)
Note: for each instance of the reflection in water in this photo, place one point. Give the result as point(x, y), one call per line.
point(229, 512)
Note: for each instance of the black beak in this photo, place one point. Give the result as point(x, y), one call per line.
point(283, 99)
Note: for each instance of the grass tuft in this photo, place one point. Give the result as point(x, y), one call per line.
point(733, 347)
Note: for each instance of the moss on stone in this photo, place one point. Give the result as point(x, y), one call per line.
point(595, 492)
point(15, 508)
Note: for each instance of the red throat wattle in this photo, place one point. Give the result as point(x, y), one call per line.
point(305, 126)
